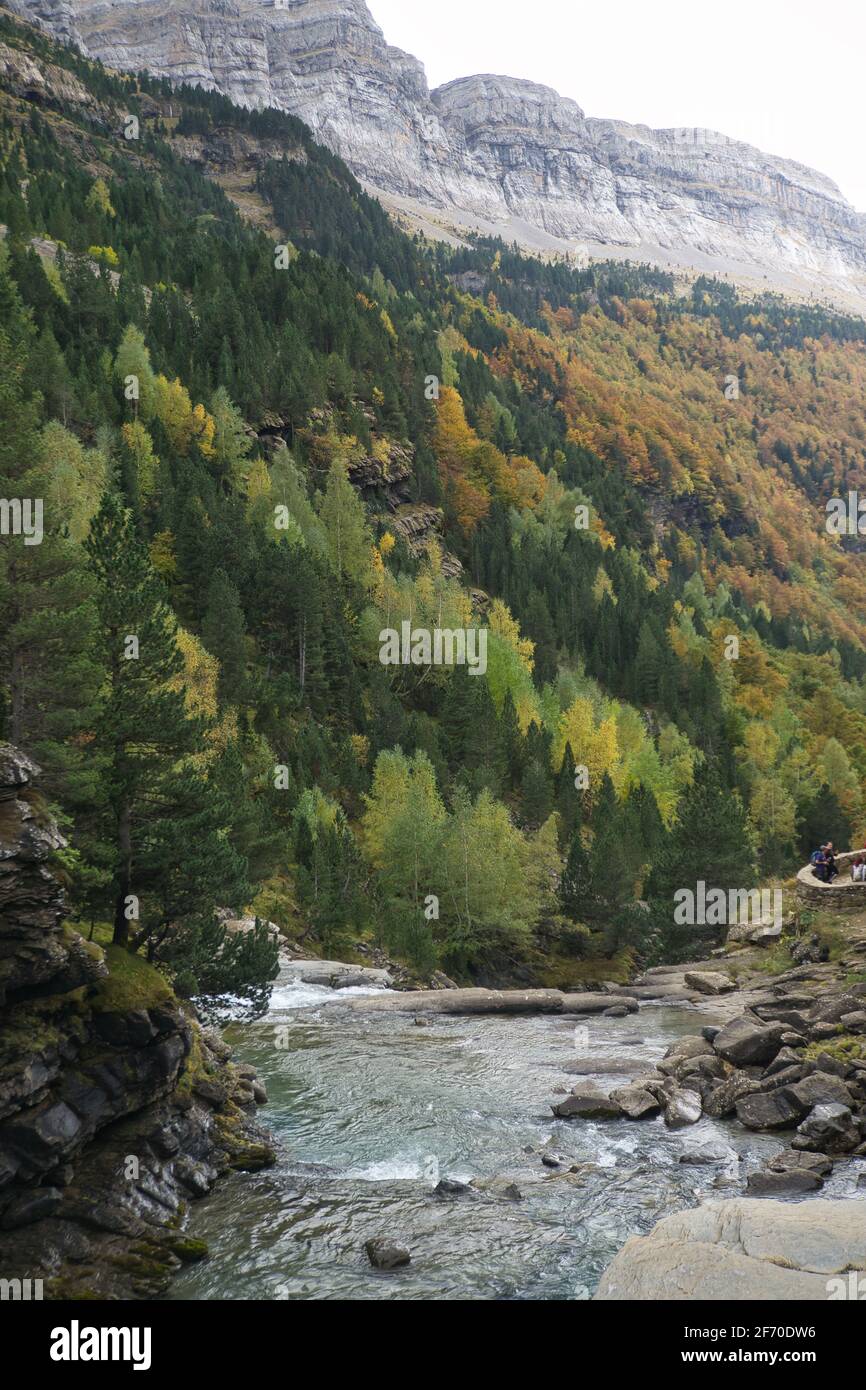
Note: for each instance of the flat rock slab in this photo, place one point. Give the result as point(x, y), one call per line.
point(463, 1001)
point(709, 981)
point(741, 1249)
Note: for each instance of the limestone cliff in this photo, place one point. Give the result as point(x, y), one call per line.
point(492, 152)
point(116, 1108)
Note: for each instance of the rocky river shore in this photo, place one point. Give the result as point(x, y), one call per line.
point(116, 1108)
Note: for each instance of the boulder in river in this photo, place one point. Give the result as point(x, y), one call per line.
point(704, 1154)
point(336, 974)
point(742, 1249)
point(635, 1102)
point(498, 1187)
point(789, 1159)
point(828, 1129)
point(386, 1254)
point(683, 1108)
point(451, 1187)
point(589, 1103)
point(767, 1110)
point(792, 1183)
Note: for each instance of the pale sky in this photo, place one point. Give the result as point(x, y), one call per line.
point(786, 75)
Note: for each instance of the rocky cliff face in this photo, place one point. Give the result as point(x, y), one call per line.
point(494, 152)
point(116, 1108)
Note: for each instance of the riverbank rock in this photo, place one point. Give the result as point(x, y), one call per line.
point(747, 1041)
point(741, 1249)
point(709, 981)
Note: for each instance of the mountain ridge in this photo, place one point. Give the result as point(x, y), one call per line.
point(486, 152)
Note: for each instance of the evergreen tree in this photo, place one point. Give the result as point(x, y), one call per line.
point(47, 618)
point(224, 634)
point(569, 799)
point(709, 843)
point(536, 794)
point(823, 820)
point(162, 821)
point(576, 896)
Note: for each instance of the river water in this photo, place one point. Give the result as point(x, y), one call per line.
point(369, 1111)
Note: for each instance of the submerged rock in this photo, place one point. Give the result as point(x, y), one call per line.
point(386, 1254)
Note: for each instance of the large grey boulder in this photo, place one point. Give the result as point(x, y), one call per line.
point(636, 1102)
point(746, 1041)
point(828, 1129)
point(683, 1108)
point(336, 974)
point(587, 1102)
point(768, 1110)
point(742, 1249)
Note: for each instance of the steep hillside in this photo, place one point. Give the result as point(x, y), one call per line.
point(269, 429)
point(492, 153)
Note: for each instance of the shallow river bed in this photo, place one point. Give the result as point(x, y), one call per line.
point(369, 1111)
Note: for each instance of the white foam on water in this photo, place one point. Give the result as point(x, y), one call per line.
point(294, 994)
point(389, 1170)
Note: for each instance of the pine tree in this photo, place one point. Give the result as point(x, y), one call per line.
point(47, 618)
point(536, 794)
point(569, 799)
point(163, 822)
point(823, 820)
point(224, 634)
point(576, 896)
point(710, 842)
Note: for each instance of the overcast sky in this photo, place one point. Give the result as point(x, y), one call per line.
point(786, 75)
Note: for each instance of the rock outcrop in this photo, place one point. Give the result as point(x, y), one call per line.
point(116, 1108)
point(744, 1249)
point(496, 152)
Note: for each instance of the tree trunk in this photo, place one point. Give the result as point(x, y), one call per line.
point(124, 840)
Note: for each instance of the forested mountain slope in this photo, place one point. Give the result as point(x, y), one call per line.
point(268, 427)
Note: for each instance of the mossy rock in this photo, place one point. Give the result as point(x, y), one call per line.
point(847, 1047)
point(188, 1250)
point(131, 984)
